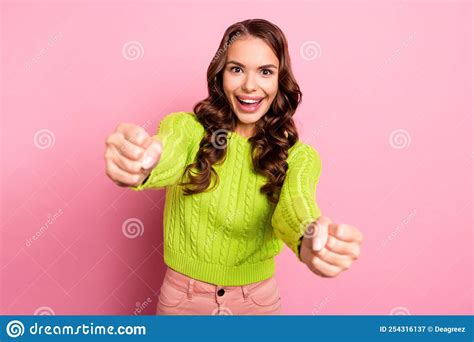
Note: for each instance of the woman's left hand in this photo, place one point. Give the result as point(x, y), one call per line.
point(329, 248)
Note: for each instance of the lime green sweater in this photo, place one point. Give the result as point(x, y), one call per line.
point(229, 236)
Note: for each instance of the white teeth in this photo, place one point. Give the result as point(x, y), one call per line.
point(248, 101)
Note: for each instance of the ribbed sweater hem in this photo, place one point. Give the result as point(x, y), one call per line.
point(219, 274)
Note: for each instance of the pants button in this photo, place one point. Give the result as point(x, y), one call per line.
point(220, 292)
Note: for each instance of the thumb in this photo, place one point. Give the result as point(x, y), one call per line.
point(152, 154)
point(321, 238)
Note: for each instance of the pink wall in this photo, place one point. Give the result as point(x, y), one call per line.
point(387, 104)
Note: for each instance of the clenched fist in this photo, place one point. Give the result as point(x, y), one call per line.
point(329, 248)
point(130, 154)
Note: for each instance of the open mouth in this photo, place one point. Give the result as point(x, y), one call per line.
point(249, 101)
point(249, 104)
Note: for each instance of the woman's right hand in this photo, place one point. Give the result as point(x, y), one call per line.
point(130, 155)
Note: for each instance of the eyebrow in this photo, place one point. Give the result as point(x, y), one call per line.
point(266, 66)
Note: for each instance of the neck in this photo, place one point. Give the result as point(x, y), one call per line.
point(245, 130)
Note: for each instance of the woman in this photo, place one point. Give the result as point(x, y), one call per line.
point(239, 183)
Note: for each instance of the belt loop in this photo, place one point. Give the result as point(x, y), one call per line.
point(190, 288)
point(245, 291)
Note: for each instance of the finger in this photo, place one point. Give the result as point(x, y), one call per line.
point(345, 232)
point(125, 164)
point(351, 249)
point(121, 176)
point(152, 155)
point(121, 184)
point(324, 269)
point(338, 260)
point(148, 141)
point(133, 133)
point(124, 147)
point(320, 239)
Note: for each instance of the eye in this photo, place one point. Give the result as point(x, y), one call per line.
point(235, 69)
point(267, 72)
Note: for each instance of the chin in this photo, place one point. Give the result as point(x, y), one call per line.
point(249, 118)
point(246, 118)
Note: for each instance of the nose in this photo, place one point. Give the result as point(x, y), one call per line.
point(249, 84)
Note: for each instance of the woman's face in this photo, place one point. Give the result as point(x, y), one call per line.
point(250, 81)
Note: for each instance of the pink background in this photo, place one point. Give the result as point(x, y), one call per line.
point(387, 104)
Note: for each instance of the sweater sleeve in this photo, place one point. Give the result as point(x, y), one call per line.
point(297, 206)
point(179, 134)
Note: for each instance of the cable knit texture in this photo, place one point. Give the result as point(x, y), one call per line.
point(230, 236)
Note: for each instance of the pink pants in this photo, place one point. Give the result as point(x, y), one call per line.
point(182, 295)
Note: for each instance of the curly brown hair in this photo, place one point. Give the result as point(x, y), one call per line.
point(275, 132)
